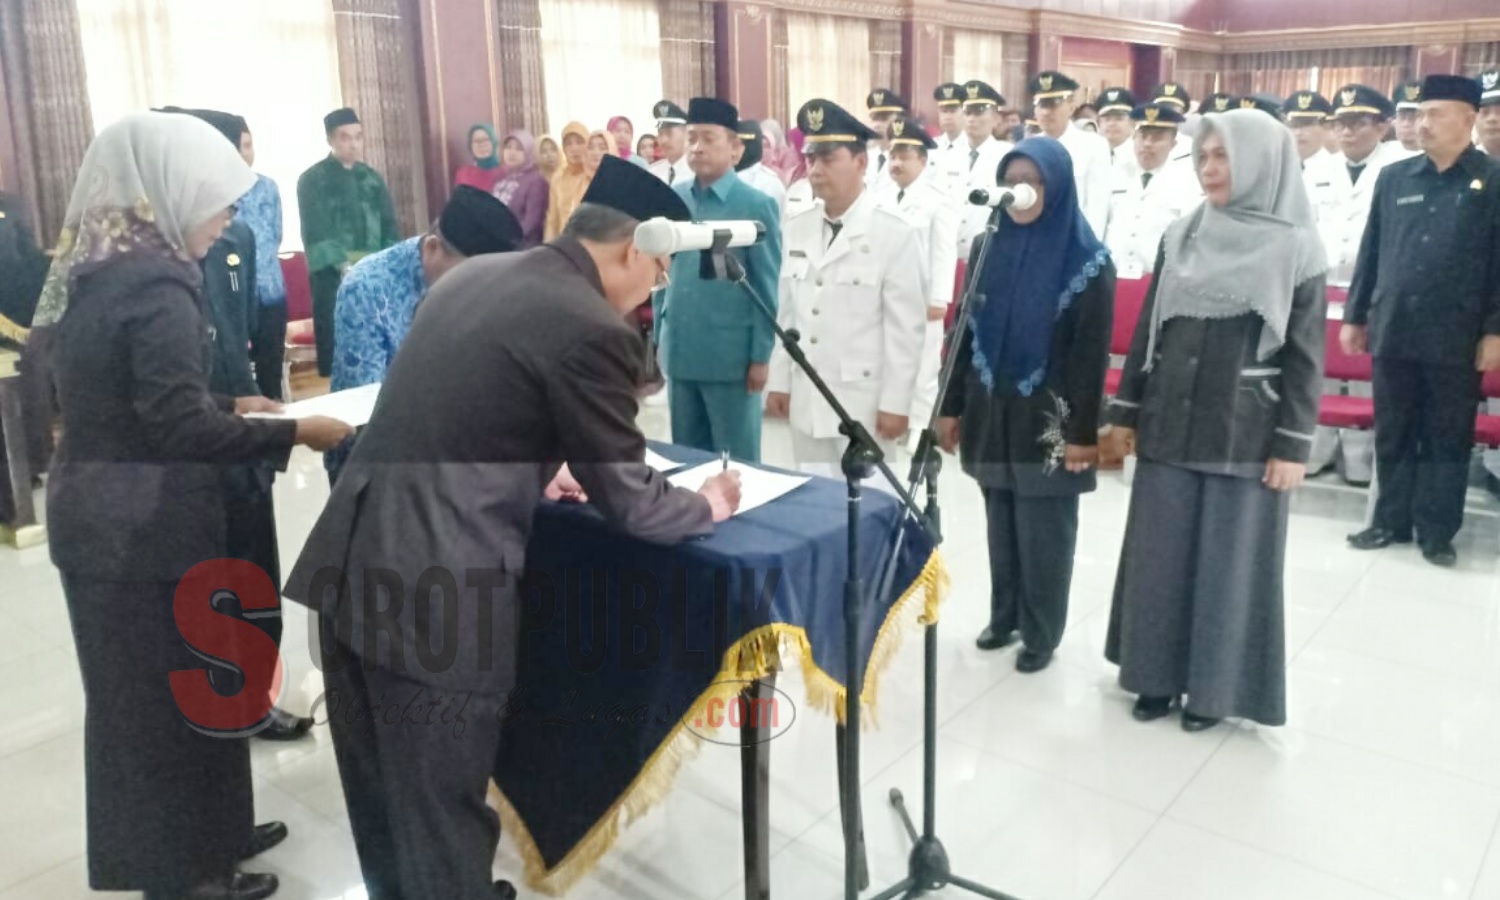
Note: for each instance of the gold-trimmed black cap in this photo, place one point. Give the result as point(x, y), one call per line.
point(668, 113)
point(1050, 85)
point(1408, 94)
point(1174, 93)
point(977, 93)
point(1489, 87)
point(824, 123)
point(885, 100)
point(905, 131)
point(1266, 103)
point(1116, 99)
point(1361, 100)
point(750, 136)
point(637, 193)
point(1158, 115)
point(1219, 102)
point(1306, 106)
point(949, 93)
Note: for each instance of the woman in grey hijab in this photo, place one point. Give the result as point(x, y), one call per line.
point(1219, 400)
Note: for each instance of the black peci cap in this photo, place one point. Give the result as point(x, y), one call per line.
point(338, 119)
point(475, 223)
point(712, 111)
point(1452, 87)
point(634, 191)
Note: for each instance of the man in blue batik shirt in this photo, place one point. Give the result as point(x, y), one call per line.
point(379, 296)
point(716, 346)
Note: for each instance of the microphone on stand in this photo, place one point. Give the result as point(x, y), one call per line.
point(1021, 196)
point(663, 237)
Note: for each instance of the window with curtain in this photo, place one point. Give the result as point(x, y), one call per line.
point(828, 57)
point(997, 58)
point(600, 59)
point(1480, 58)
point(1283, 72)
point(198, 54)
point(885, 55)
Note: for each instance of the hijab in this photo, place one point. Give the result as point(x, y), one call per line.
point(493, 160)
point(557, 154)
point(1033, 272)
point(781, 156)
point(145, 182)
point(609, 141)
point(512, 179)
point(1249, 256)
point(624, 151)
point(582, 131)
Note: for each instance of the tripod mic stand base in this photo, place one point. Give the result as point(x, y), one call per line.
point(928, 865)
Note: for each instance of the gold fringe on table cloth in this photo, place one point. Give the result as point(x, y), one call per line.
point(753, 656)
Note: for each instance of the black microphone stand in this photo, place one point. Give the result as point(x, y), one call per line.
point(928, 867)
point(861, 460)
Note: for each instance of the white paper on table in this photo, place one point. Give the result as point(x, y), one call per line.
point(353, 406)
point(757, 486)
point(660, 463)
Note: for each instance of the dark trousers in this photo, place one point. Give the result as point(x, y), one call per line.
point(415, 785)
point(268, 349)
point(167, 805)
point(1424, 438)
point(251, 536)
point(325, 290)
point(1031, 564)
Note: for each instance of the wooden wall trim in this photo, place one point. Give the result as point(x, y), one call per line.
point(1399, 35)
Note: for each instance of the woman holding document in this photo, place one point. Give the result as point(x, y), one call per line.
point(135, 502)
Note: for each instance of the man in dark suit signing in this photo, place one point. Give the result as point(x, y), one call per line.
point(514, 363)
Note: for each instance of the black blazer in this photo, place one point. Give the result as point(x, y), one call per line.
point(134, 493)
point(1210, 403)
point(1013, 442)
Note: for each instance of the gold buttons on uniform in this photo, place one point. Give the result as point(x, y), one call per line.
point(819, 282)
point(815, 310)
point(814, 340)
point(865, 249)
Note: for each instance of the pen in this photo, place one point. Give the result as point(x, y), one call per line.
point(724, 458)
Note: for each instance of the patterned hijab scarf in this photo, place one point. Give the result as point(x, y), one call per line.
point(146, 181)
point(1249, 256)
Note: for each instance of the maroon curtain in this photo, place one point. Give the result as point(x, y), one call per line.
point(46, 88)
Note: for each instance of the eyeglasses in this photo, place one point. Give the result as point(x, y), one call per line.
point(663, 274)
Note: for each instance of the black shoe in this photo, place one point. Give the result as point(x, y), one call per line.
point(264, 837)
point(285, 727)
point(990, 639)
point(1377, 539)
point(1030, 661)
point(504, 890)
point(239, 886)
point(1193, 724)
point(1441, 554)
point(1149, 709)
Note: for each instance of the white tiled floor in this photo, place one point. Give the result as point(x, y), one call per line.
point(1385, 784)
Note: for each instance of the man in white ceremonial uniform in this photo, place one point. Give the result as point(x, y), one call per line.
point(1152, 195)
point(948, 164)
point(884, 105)
point(1328, 187)
point(752, 171)
point(853, 285)
point(977, 158)
point(1053, 96)
point(1408, 100)
point(671, 139)
point(1116, 127)
point(1361, 118)
point(931, 210)
point(1170, 92)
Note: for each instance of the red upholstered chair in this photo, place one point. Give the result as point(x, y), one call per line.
point(1341, 410)
point(301, 347)
point(1130, 297)
point(1487, 426)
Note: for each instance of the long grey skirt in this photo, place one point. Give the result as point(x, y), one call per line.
point(1198, 604)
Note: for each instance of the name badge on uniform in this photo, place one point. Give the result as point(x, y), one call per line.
point(1407, 201)
point(798, 254)
point(1323, 184)
point(1122, 191)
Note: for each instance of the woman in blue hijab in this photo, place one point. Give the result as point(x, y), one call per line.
point(1023, 407)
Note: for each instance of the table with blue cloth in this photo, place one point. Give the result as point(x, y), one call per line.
point(625, 645)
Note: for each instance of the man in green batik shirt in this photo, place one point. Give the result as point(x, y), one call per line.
point(347, 214)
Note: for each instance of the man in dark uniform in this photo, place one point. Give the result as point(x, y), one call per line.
point(440, 492)
point(1427, 289)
